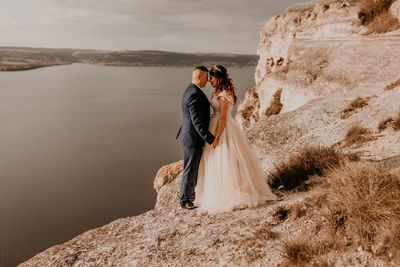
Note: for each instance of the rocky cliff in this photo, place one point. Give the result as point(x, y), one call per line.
point(327, 49)
point(319, 59)
point(328, 76)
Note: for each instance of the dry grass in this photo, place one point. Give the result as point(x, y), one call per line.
point(281, 213)
point(297, 210)
point(353, 156)
point(357, 103)
point(310, 161)
point(358, 134)
point(368, 210)
point(294, 211)
point(361, 204)
point(276, 106)
point(307, 249)
point(375, 15)
point(396, 123)
point(384, 123)
point(392, 85)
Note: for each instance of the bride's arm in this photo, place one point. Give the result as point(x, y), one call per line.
point(223, 112)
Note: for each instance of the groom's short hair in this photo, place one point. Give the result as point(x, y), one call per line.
point(202, 68)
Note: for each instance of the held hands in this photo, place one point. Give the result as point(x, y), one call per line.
point(215, 143)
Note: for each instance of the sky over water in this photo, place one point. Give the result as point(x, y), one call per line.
point(230, 26)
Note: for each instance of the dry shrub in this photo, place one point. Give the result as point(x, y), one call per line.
point(392, 85)
point(318, 198)
point(384, 22)
point(361, 207)
point(357, 103)
point(396, 123)
point(375, 15)
point(384, 123)
point(276, 106)
point(307, 248)
point(353, 156)
point(294, 211)
point(358, 134)
point(297, 253)
point(310, 161)
point(363, 204)
point(298, 210)
point(281, 213)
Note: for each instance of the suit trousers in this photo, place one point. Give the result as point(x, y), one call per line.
point(191, 162)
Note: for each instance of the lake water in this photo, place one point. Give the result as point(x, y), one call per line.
point(80, 146)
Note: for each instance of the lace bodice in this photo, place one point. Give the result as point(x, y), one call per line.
point(214, 102)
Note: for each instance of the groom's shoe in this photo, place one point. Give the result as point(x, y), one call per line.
point(188, 205)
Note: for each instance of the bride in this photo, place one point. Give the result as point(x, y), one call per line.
point(230, 174)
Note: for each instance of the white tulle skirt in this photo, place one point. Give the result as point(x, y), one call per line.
point(230, 176)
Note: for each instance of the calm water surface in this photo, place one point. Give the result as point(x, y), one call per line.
point(80, 146)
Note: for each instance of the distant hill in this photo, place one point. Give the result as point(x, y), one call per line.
point(24, 58)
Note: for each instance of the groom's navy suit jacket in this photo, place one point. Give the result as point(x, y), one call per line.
point(196, 118)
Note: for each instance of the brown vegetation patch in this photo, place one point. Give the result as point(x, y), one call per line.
point(357, 103)
point(298, 210)
point(353, 156)
point(276, 106)
point(294, 211)
point(281, 213)
point(396, 123)
point(306, 249)
point(360, 204)
point(376, 16)
point(310, 161)
point(368, 210)
point(358, 134)
point(392, 85)
point(384, 123)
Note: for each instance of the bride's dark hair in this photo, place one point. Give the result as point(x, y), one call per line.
point(223, 81)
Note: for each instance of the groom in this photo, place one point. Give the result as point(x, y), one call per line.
point(193, 133)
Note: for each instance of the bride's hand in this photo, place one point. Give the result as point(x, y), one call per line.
point(215, 143)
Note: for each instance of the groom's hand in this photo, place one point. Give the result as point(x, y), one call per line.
point(215, 143)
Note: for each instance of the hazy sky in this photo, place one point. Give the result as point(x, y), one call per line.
point(230, 26)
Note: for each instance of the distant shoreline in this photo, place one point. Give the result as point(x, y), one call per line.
point(23, 67)
point(23, 58)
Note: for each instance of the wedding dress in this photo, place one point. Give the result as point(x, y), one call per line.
point(230, 176)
